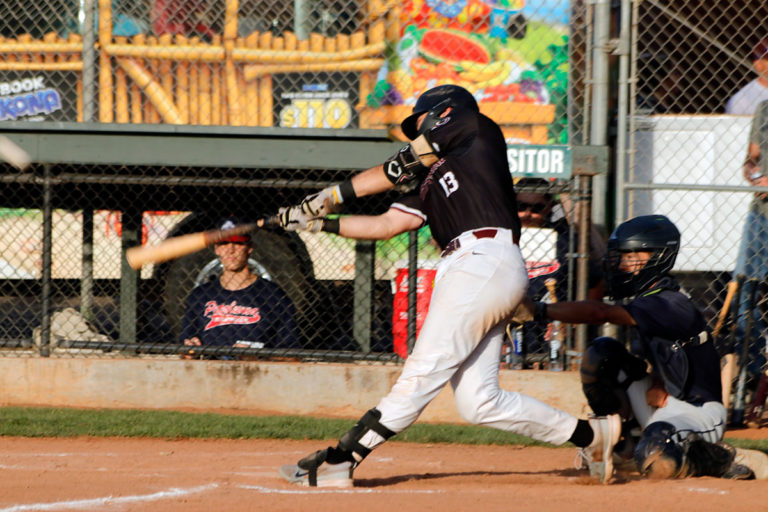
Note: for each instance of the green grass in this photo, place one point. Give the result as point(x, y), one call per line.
point(51, 422)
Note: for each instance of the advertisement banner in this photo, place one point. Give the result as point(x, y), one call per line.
point(316, 100)
point(38, 95)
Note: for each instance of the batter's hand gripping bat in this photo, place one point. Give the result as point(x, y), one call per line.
point(178, 246)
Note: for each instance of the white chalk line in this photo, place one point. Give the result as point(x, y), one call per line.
point(706, 490)
point(109, 500)
point(269, 490)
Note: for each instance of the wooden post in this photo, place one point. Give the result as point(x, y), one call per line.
point(136, 97)
point(106, 115)
point(393, 23)
point(291, 41)
point(121, 90)
point(52, 37)
point(75, 38)
point(316, 42)
point(194, 82)
point(205, 93)
point(216, 91)
point(182, 83)
point(151, 115)
point(25, 38)
point(265, 101)
point(241, 87)
point(342, 42)
point(165, 70)
point(230, 35)
point(252, 88)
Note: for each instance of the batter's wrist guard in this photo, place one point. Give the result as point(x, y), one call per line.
point(404, 166)
point(331, 226)
point(346, 191)
point(540, 313)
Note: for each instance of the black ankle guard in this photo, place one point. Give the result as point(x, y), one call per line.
point(370, 421)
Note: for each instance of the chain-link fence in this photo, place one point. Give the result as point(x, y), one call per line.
point(321, 64)
point(67, 292)
point(305, 64)
point(689, 138)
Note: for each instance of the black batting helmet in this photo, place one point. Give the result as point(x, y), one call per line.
point(653, 233)
point(438, 99)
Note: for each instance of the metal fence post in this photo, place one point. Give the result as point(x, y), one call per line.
point(131, 222)
point(86, 269)
point(89, 60)
point(363, 293)
point(413, 269)
point(45, 321)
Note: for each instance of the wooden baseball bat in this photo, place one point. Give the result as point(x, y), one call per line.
point(728, 364)
point(13, 154)
point(178, 246)
point(737, 416)
point(731, 291)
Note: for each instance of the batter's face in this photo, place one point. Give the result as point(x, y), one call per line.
point(633, 262)
point(533, 209)
point(233, 255)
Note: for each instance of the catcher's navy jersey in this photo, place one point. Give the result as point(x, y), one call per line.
point(665, 313)
point(470, 186)
point(261, 314)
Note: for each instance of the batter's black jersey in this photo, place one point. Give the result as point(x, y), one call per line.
point(470, 186)
point(260, 314)
point(665, 315)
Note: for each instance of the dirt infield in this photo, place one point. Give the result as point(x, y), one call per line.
point(204, 475)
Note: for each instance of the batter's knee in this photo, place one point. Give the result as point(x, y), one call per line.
point(475, 407)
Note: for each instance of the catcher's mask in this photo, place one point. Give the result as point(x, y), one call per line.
point(435, 101)
point(653, 233)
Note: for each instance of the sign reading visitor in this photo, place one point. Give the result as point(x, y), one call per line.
point(316, 100)
point(547, 162)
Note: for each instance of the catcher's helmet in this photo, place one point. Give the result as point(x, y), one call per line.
point(437, 100)
point(653, 233)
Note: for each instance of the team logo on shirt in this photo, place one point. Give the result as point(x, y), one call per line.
point(229, 314)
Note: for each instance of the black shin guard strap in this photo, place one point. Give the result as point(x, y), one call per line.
point(370, 421)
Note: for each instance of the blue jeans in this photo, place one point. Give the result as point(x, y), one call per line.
point(752, 263)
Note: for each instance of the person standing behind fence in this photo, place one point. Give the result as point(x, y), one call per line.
point(539, 209)
point(239, 309)
point(457, 178)
point(746, 100)
point(752, 260)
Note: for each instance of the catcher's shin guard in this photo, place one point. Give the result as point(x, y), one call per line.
point(350, 441)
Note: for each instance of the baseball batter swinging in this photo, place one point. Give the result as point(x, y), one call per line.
point(456, 170)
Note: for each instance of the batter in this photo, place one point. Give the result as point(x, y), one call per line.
point(459, 183)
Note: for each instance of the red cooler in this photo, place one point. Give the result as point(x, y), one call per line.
point(425, 282)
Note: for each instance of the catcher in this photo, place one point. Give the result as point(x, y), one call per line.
point(666, 388)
